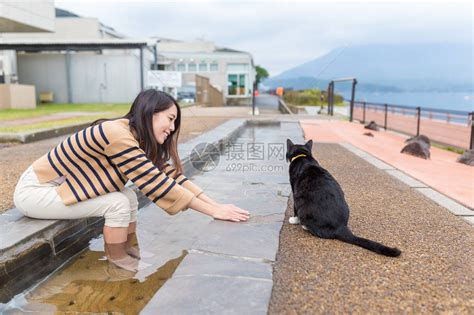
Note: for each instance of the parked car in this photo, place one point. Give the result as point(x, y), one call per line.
point(186, 97)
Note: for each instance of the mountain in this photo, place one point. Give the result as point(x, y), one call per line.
point(387, 68)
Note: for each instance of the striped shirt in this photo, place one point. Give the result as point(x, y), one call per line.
point(102, 158)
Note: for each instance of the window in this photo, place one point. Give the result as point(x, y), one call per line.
point(237, 67)
point(203, 67)
point(236, 84)
point(181, 67)
point(169, 67)
point(242, 84)
point(214, 67)
point(191, 67)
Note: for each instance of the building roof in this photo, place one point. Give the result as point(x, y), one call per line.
point(224, 49)
point(213, 50)
point(64, 13)
point(43, 44)
point(165, 39)
point(61, 13)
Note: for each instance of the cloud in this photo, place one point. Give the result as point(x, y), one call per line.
point(281, 34)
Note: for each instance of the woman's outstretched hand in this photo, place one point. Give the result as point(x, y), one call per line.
point(230, 212)
point(220, 211)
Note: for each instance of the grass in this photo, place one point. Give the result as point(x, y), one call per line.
point(102, 110)
point(449, 148)
point(310, 97)
point(48, 109)
point(55, 123)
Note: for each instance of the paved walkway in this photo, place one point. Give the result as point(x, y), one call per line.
point(432, 276)
point(441, 172)
point(339, 110)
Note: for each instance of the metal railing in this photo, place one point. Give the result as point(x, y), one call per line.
point(448, 127)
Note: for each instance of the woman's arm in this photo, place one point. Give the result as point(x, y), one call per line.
point(223, 210)
point(217, 211)
point(207, 199)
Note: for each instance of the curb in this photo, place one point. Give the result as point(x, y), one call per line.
point(43, 134)
point(27, 243)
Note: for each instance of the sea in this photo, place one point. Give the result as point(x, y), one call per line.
point(458, 101)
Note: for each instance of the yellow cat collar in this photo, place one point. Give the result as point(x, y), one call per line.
point(295, 157)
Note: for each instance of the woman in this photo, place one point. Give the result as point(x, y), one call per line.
point(84, 176)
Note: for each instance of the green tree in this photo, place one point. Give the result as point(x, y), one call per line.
point(262, 73)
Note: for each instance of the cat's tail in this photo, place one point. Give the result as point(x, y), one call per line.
point(346, 235)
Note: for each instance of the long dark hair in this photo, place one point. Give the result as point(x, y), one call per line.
point(140, 116)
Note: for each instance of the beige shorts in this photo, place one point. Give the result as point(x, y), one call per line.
point(41, 201)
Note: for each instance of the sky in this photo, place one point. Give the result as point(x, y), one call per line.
point(283, 34)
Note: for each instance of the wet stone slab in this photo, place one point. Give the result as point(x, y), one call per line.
point(245, 240)
point(211, 295)
point(260, 208)
point(198, 263)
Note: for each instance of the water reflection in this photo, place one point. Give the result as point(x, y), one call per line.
point(91, 284)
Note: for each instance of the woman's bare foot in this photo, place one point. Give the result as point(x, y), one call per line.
point(117, 255)
point(138, 253)
point(128, 263)
point(134, 251)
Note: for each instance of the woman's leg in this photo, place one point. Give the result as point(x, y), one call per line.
point(115, 234)
point(132, 240)
point(133, 248)
point(42, 201)
point(132, 198)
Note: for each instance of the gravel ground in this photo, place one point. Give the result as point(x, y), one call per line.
point(16, 158)
point(433, 274)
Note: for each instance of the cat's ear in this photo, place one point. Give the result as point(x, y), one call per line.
point(289, 144)
point(309, 145)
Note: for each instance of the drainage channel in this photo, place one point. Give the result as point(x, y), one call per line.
point(250, 172)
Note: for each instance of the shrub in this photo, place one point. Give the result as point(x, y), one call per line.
point(309, 97)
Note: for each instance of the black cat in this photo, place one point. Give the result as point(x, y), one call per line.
point(319, 202)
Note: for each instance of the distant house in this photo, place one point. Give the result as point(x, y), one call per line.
point(81, 61)
point(230, 71)
point(18, 17)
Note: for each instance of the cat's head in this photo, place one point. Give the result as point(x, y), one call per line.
point(293, 150)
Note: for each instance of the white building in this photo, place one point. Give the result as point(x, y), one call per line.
point(231, 71)
point(82, 61)
point(26, 16)
point(22, 16)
